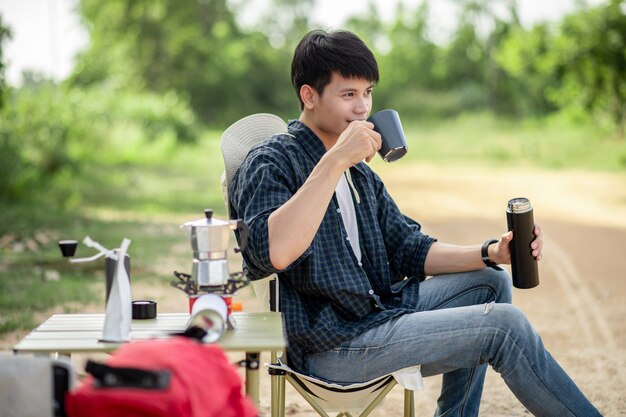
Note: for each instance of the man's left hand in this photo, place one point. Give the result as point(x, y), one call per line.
point(501, 254)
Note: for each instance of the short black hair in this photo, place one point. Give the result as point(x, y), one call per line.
point(321, 53)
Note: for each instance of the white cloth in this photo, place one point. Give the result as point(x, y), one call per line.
point(348, 214)
point(410, 378)
point(119, 306)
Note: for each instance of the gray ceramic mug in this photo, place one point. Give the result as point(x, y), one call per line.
point(387, 123)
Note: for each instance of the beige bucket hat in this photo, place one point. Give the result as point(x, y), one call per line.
point(243, 135)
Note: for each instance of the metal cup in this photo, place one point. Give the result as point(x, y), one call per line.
point(387, 123)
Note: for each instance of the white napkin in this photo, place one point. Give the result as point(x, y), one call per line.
point(410, 378)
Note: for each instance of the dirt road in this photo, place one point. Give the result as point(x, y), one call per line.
point(580, 304)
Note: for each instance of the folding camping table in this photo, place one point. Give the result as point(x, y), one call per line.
point(66, 334)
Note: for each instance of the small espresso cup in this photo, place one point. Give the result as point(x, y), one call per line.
point(387, 123)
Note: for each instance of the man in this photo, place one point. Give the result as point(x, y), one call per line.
point(352, 267)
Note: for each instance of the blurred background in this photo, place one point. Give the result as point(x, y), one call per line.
point(111, 111)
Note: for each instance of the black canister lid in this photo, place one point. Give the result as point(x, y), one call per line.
point(144, 309)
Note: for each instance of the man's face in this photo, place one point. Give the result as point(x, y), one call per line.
point(342, 101)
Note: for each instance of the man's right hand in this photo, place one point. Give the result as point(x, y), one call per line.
point(358, 142)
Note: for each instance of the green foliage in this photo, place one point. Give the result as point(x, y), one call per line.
point(578, 66)
point(40, 130)
point(162, 177)
point(484, 139)
point(157, 115)
point(144, 198)
point(590, 53)
point(282, 22)
point(408, 65)
point(523, 55)
point(5, 34)
point(25, 291)
point(51, 135)
point(464, 58)
point(422, 79)
point(198, 51)
point(193, 48)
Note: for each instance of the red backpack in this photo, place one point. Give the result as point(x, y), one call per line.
point(176, 377)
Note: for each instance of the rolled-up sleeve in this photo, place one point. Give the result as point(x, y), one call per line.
point(405, 244)
point(263, 183)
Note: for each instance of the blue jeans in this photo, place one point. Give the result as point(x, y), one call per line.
point(465, 321)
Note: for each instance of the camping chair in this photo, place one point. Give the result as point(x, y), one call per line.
point(34, 386)
point(237, 140)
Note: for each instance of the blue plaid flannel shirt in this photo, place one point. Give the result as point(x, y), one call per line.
point(327, 296)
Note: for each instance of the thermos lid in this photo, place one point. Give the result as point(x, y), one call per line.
point(519, 205)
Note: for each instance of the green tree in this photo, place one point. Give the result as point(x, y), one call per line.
point(409, 62)
point(462, 64)
point(284, 22)
point(504, 93)
point(469, 65)
point(370, 27)
point(373, 31)
point(5, 34)
point(525, 56)
point(589, 56)
point(194, 48)
point(406, 57)
point(424, 79)
point(37, 132)
point(578, 65)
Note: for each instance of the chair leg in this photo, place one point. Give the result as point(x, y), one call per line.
point(306, 396)
point(281, 392)
point(277, 401)
point(378, 398)
point(409, 403)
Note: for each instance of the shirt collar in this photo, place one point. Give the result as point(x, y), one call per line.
point(313, 145)
point(307, 139)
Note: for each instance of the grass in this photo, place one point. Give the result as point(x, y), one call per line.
point(484, 139)
point(147, 191)
point(144, 200)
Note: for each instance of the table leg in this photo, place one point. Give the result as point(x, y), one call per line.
point(281, 395)
point(277, 381)
point(252, 376)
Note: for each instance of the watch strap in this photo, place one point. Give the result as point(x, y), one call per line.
point(484, 253)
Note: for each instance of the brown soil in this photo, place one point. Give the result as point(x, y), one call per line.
point(579, 306)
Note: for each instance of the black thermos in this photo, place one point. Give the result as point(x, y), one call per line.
point(519, 217)
point(109, 272)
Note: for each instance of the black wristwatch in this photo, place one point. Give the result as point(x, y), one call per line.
point(484, 252)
